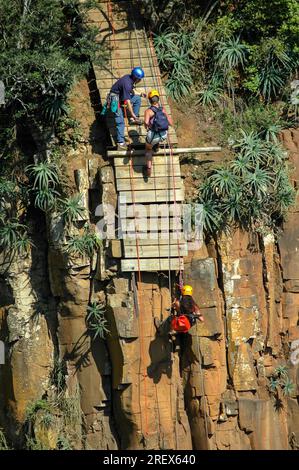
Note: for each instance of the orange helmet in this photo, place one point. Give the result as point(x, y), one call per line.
point(187, 290)
point(153, 93)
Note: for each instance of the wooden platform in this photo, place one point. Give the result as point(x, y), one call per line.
point(122, 32)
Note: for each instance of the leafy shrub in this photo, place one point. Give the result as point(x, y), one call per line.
point(68, 131)
point(262, 120)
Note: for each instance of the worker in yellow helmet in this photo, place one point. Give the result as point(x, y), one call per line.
point(186, 305)
point(185, 314)
point(156, 122)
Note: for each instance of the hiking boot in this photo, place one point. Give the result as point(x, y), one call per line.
point(135, 122)
point(122, 146)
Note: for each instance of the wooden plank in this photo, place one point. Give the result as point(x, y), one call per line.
point(160, 195)
point(152, 264)
point(108, 70)
point(150, 210)
point(153, 251)
point(157, 171)
point(154, 237)
point(128, 184)
point(152, 224)
point(141, 160)
point(152, 242)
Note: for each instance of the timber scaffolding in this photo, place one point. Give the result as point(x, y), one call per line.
point(150, 210)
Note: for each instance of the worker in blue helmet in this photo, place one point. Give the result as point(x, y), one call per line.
point(123, 94)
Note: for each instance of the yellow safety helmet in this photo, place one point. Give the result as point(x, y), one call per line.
point(187, 290)
point(153, 93)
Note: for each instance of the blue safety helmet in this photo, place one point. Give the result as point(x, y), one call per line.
point(138, 73)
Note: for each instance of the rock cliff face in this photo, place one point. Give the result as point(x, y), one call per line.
point(207, 390)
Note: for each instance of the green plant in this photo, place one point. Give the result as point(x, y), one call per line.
point(14, 237)
point(45, 179)
point(258, 181)
point(274, 384)
point(281, 371)
point(72, 209)
point(45, 175)
point(85, 244)
point(231, 53)
point(178, 87)
point(45, 199)
point(223, 181)
point(68, 131)
point(96, 320)
point(280, 380)
point(211, 215)
point(58, 375)
point(33, 407)
point(53, 108)
point(211, 93)
point(288, 387)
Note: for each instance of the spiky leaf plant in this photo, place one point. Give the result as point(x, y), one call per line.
point(231, 53)
point(54, 108)
point(288, 387)
point(83, 245)
point(14, 237)
point(45, 175)
point(72, 209)
point(45, 199)
point(224, 181)
point(96, 320)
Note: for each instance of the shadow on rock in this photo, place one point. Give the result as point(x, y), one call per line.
point(161, 362)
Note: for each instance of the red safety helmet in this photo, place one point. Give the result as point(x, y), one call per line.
point(181, 324)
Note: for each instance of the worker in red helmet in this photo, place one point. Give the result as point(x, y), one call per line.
point(186, 313)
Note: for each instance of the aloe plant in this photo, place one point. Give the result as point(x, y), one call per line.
point(288, 387)
point(177, 87)
point(96, 320)
point(72, 209)
point(54, 108)
point(231, 53)
point(258, 181)
point(224, 181)
point(281, 371)
point(85, 244)
point(211, 216)
point(13, 236)
point(45, 175)
point(45, 199)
